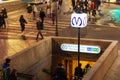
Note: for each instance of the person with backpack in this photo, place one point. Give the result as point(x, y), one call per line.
point(6, 69)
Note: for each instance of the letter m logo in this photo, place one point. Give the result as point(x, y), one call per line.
point(78, 20)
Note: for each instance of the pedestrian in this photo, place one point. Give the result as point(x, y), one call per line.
point(1, 21)
point(78, 9)
point(39, 26)
point(22, 24)
point(91, 8)
point(13, 75)
point(42, 16)
point(73, 4)
point(85, 9)
point(60, 5)
point(35, 11)
point(78, 74)
point(53, 17)
point(5, 17)
point(94, 15)
point(6, 69)
point(48, 9)
point(29, 11)
point(59, 73)
point(86, 3)
point(87, 68)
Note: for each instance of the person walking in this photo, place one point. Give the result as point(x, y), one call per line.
point(39, 26)
point(87, 68)
point(1, 21)
point(73, 4)
point(5, 16)
point(29, 11)
point(6, 69)
point(59, 73)
point(22, 24)
point(42, 16)
point(78, 72)
point(60, 5)
point(35, 11)
point(53, 17)
point(94, 15)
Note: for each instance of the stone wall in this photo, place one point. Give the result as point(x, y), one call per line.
point(104, 63)
point(34, 59)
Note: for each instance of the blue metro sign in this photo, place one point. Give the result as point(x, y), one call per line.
point(79, 20)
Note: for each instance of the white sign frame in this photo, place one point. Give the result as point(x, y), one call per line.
point(83, 48)
point(79, 20)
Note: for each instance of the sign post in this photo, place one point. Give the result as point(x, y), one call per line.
point(79, 20)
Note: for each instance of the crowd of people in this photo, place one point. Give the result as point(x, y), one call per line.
point(7, 73)
point(88, 6)
point(79, 72)
point(33, 13)
point(38, 15)
point(60, 72)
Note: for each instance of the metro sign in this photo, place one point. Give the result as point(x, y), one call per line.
point(79, 20)
point(83, 48)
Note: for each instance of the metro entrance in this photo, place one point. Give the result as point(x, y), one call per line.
point(70, 64)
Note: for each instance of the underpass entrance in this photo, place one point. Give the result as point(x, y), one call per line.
point(70, 65)
point(97, 61)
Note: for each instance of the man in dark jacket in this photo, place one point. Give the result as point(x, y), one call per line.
point(78, 72)
point(39, 26)
point(60, 73)
point(4, 17)
point(42, 16)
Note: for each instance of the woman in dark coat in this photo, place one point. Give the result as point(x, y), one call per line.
point(22, 24)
